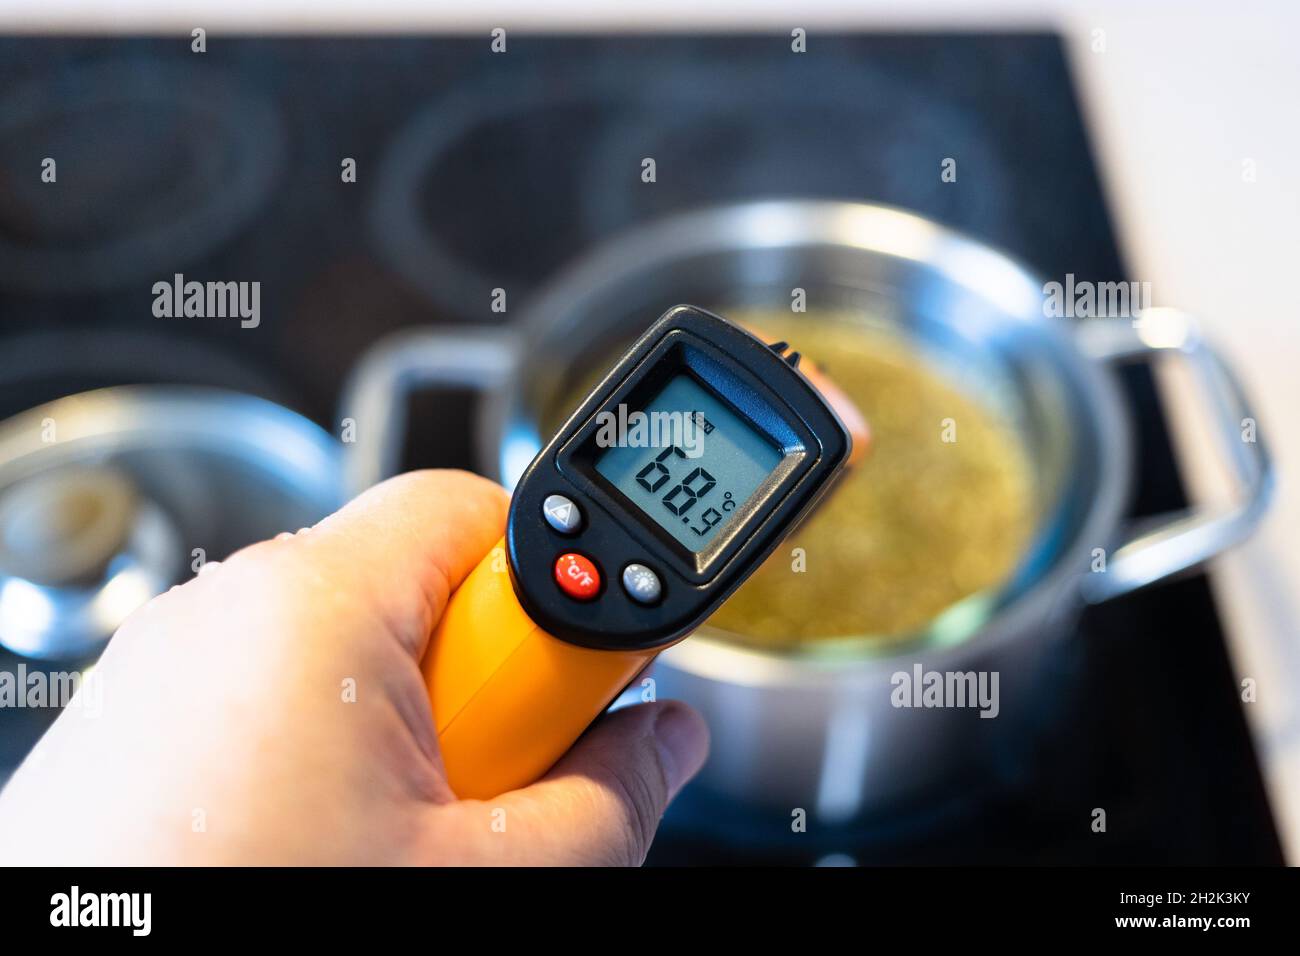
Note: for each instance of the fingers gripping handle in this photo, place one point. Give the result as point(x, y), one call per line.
point(508, 698)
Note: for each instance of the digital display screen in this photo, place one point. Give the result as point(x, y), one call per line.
point(686, 460)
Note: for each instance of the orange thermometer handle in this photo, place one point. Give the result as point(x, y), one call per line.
point(508, 698)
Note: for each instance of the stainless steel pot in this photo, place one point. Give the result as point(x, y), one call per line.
point(817, 730)
point(109, 497)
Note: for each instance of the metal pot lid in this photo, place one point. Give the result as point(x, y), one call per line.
point(106, 498)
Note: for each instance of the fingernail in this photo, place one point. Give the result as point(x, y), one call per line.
point(683, 742)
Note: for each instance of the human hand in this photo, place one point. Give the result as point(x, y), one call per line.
point(228, 734)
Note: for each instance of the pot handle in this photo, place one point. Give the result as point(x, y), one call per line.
point(376, 391)
point(1160, 547)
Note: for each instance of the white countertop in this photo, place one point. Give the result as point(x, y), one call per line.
point(1176, 108)
point(1184, 94)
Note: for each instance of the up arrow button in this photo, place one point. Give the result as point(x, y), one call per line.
point(561, 514)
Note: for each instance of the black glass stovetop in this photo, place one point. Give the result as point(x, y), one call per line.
point(477, 171)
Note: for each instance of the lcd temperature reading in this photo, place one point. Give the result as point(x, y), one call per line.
point(688, 461)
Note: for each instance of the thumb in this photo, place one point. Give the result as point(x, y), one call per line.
point(601, 804)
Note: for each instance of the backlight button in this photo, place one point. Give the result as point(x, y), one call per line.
point(641, 584)
point(577, 576)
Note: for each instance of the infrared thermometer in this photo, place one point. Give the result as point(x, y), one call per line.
point(693, 458)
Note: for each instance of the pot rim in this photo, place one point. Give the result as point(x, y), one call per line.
point(287, 445)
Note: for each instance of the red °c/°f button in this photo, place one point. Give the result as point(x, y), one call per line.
point(577, 576)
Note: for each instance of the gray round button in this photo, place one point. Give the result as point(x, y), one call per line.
point(561, 514)
point(641, 584)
